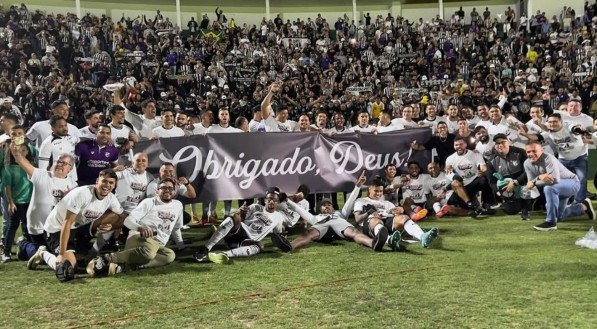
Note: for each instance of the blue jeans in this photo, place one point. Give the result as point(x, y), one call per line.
point(579, 166)
point(556, 198)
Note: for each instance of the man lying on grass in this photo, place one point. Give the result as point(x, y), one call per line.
point(243, 231)
point(330, 223)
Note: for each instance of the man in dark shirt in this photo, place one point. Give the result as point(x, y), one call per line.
point(507, 166)
point(442, 142)
point(95, 156)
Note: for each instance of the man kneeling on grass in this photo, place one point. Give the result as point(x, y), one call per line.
point(330, 222)
point(243, 230)
point(151, 225)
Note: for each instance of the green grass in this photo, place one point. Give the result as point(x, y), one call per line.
point(491, 273)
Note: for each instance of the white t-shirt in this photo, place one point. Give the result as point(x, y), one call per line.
point(122, 132)
point(416, 189)
point(366, 129)
point(42, 129)
point(132, 188)
point(466, 165)
point(47, 192)
point(291, 217)
point(163, 218)
point(568, 145)
point(439, 184)
point(217, 129)
point(162, 132)
point(335, 130)
point(485, 149)
point(259, 222)
point(199, 129)
point(152, 188)
point(254, 125)
point(86, 133)
point(483, 123)
point(274, 125)
point(432, 123)
point(384, 208)
point(391, 127)
point(54, 146)
point(405, 124)
point(143, 126)
point(83, 202)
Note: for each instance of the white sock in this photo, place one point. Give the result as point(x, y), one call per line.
point(437, 207)
point(49, 258)
point(377, 228)
point(413, 229)
point(246, 251)
point(222, 231)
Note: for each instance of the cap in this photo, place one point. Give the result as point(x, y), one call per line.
point(177, 107)
point(324, 200)
point(500, 136)
point(163, 94)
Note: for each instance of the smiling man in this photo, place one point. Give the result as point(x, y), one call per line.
point(151, 225)
point(73, 222)
point(96, 155)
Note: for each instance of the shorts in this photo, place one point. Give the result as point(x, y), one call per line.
point(337, 225)
point(388, 222)
point(235, 239)
point(79, 240)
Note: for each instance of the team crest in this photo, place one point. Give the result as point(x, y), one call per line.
point(107, 154)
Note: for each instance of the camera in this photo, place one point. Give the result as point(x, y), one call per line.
point(121, 140)
point(579, 131)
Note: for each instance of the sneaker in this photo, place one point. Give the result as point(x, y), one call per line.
point(590, 210)
point(21, 255)
point(546, 226)
point(395, 240)
point(201, 254)
point(495, 206)
point(486, 211)
point(37, 258)
point(444, 210)
point(422, 213)
point(380, 239)
point(473, 213)
point(218, 258)
point(5, 258)
point(98, 265)
point(525, 215)
point(113, 86)
point(428, 237)
point(281, 242)
point(213, 219)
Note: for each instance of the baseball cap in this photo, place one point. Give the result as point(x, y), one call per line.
point(500, 136)
point(324, 200)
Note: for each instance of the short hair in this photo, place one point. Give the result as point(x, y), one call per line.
point(71, 158)
point(532, 142)
point(91, 114)
point(168, 164)
point(55, 118)
point(108, 173)
point(459, 138)
point(442, 123)
point(478, 128)
point(11, 117)
point(555, 115)
point(303, 188)
point(166, 180)
point(116, 108)
point(17, 127)
point(57, 103)
point(363, 112)
point(239, 121)
point(412, 162)
point(377, 181)
point(147, 101)
point(103, 125)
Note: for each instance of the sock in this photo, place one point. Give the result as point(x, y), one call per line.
point(377, 229)
point(101, 240)
point(50, 259)
point(227, 207)
point(437, 207)
point(204, 210)
point(413, 229)
point(222, 231)
point(246, 251)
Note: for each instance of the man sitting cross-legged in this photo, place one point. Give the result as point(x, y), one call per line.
point(243, 230)
point(151, 225)
point(329, 221)
point(378, 218)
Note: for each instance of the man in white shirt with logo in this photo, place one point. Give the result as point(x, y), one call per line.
point(152, 223)
point(468, 170)
point(58, 143)
point(280, 122)
point(73, 222)
point(93, 120)
point(223, 125)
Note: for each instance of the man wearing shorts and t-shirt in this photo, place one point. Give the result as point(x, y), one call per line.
point(73, 222)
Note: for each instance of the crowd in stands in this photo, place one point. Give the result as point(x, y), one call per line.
point(77, 95)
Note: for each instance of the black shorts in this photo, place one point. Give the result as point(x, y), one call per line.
point(388, 222)
point(79, 240)
point(235, 238)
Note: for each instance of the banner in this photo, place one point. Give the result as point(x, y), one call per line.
point(244, 165)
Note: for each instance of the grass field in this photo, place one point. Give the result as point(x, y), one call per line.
point(492, 273)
